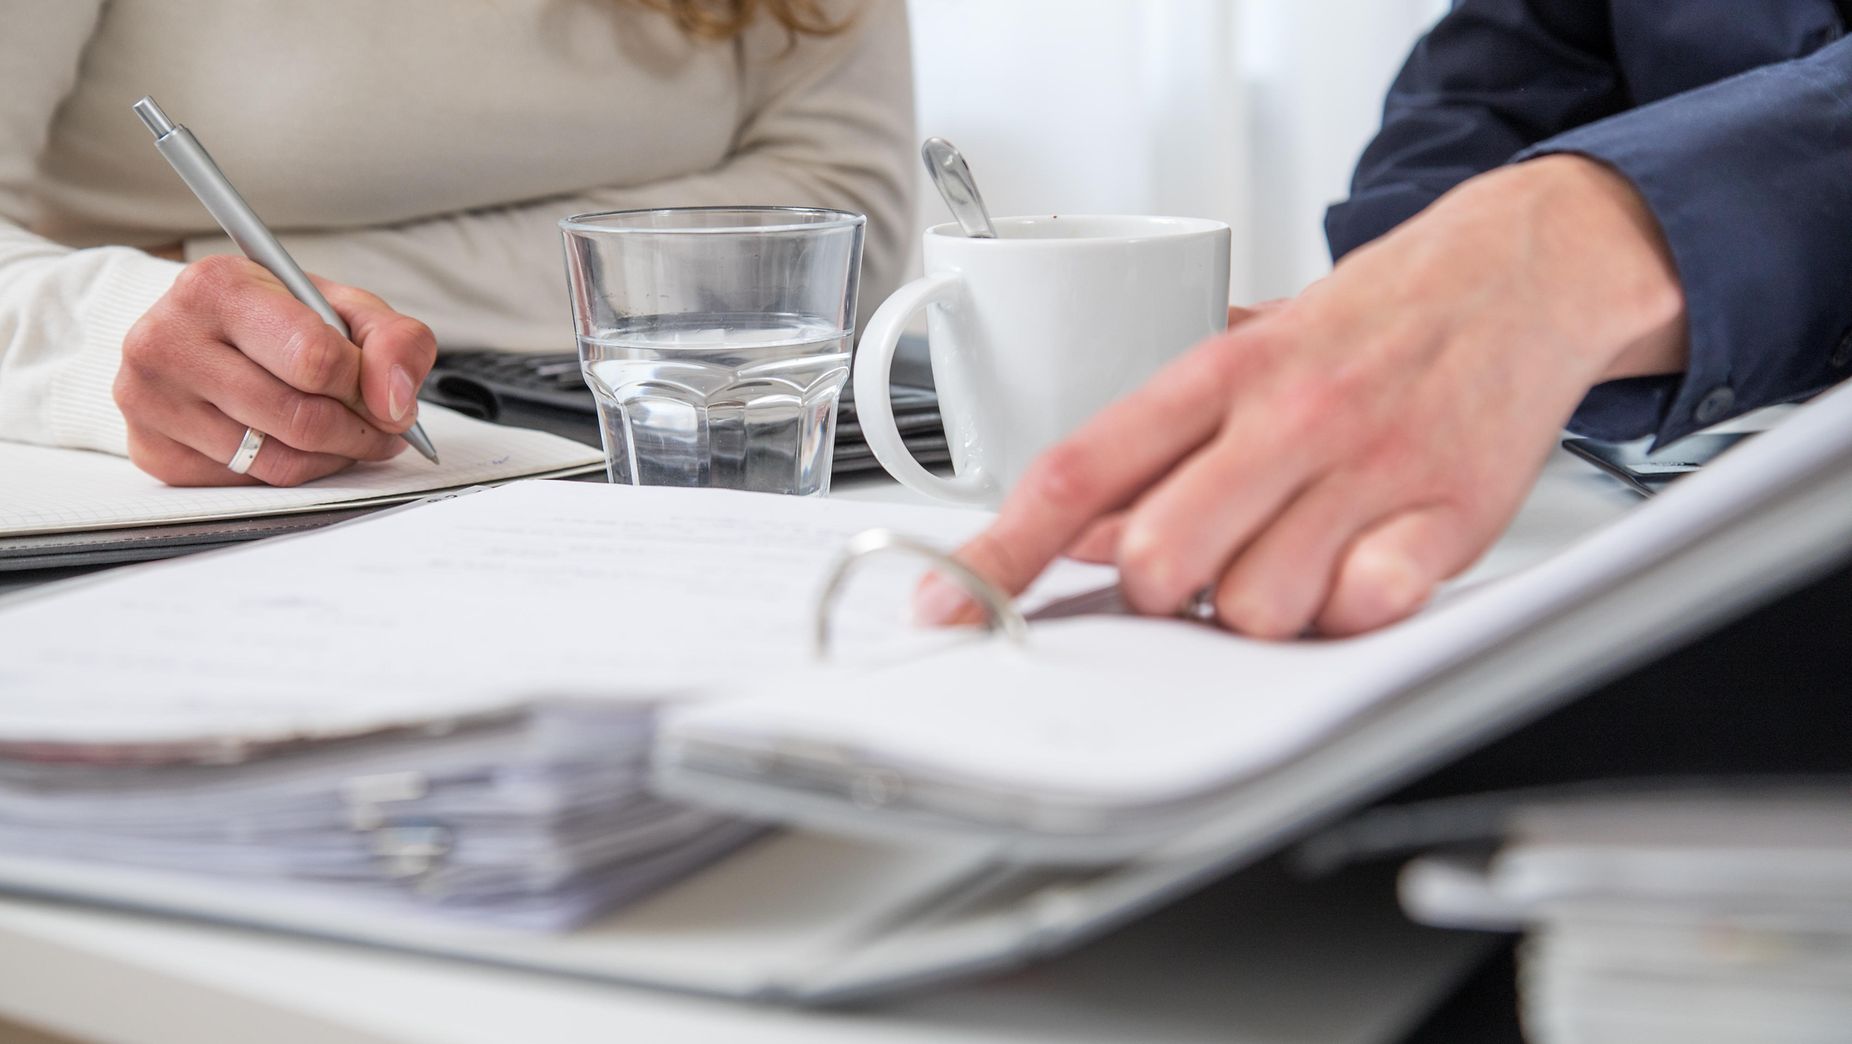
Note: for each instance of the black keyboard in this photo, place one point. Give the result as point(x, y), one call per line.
point(547, 391)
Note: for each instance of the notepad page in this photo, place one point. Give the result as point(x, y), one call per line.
point(49, 490)
point(474, 605)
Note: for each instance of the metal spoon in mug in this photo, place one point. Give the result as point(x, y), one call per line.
point(953, 178)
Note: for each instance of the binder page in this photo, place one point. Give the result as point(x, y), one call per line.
point(478, 604)
point(50, 490)
point(1119, 713)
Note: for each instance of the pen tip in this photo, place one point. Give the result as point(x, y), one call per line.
point(421, 442)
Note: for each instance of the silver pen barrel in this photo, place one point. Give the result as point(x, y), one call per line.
point(195, 166)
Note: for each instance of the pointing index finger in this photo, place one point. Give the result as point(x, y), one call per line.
point(1096, 470)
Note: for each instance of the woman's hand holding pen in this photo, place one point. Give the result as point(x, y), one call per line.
point(1330, 460)
point(228, 348)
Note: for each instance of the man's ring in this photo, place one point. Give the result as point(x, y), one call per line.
point(1199, 606)
point(247, 451)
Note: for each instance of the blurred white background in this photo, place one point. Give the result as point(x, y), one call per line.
point(1249, 111)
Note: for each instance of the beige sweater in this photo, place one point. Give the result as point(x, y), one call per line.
point(421, 149)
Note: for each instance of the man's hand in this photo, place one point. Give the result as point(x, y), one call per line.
point(1327, 462)
point(228, 348)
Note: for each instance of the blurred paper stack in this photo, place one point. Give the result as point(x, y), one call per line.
point(1686, 916)
point(536, 820)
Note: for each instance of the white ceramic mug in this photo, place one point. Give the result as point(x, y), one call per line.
point(1033, 332)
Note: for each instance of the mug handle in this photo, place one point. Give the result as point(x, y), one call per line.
point(874, 363)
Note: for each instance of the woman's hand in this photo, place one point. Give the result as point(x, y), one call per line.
point(228, 348)
point(1326, 463)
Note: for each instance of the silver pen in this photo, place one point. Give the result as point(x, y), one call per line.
point(195, 167)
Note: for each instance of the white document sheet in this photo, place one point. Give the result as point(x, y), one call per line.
point(479, 604)
point(556, 591)
point(48, 490)
point(1119, 713)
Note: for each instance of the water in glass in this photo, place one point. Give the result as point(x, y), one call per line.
point(744, 401)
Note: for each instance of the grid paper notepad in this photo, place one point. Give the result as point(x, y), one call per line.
point(49, 490)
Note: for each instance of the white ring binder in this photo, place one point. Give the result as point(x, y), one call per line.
point(1002, 612)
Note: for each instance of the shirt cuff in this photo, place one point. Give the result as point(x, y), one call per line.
point(1747, 179)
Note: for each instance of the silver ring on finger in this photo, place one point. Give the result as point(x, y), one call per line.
point(1199, 606)
point(247, 451)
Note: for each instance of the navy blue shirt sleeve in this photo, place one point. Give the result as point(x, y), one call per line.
point(1490, 79)
point(1750, 178)
point(1751, 181)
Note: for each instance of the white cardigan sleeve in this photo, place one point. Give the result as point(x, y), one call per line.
point(63, 312)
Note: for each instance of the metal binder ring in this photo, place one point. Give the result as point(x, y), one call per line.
point(1002, 614)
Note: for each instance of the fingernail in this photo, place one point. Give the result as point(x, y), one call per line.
point(937, 602)
point(399, 392)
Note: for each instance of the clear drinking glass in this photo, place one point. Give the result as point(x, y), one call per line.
point(716, 340)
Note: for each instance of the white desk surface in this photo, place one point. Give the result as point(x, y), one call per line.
point(1258, 957)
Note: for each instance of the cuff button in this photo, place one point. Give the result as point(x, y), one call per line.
point(1842, 355)
point(1715, 405)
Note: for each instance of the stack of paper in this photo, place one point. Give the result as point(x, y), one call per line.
point(449, 706)
point(536, 821)
point(1691, 916)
